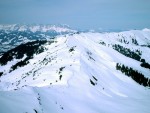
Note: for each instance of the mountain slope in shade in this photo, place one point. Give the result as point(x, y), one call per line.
point(78, 73)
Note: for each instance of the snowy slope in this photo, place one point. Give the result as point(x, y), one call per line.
point(77, 73)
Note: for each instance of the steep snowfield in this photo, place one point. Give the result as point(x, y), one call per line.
point(77, 74)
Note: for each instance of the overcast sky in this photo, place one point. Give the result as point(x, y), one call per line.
point(83, 14)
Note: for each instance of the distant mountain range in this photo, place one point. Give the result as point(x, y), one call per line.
point(13, 35)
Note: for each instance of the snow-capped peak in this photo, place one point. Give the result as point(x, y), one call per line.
point(35, 28)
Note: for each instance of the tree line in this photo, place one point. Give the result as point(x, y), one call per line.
point(127, 52)
point(134, 74)
point(28, 49)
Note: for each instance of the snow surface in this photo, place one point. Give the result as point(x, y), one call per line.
point(78, 58)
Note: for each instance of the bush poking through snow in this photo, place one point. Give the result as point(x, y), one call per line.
point(72, 49)
point(60, 77)
point(35, 110)
point(92, 82)
point(145, 65)
point(1, 73)
point(61, 69)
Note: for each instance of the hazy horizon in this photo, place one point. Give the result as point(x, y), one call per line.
point(85, 14)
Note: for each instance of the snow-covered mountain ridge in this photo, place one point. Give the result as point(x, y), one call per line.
point(79, 73)
point(36, 28)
